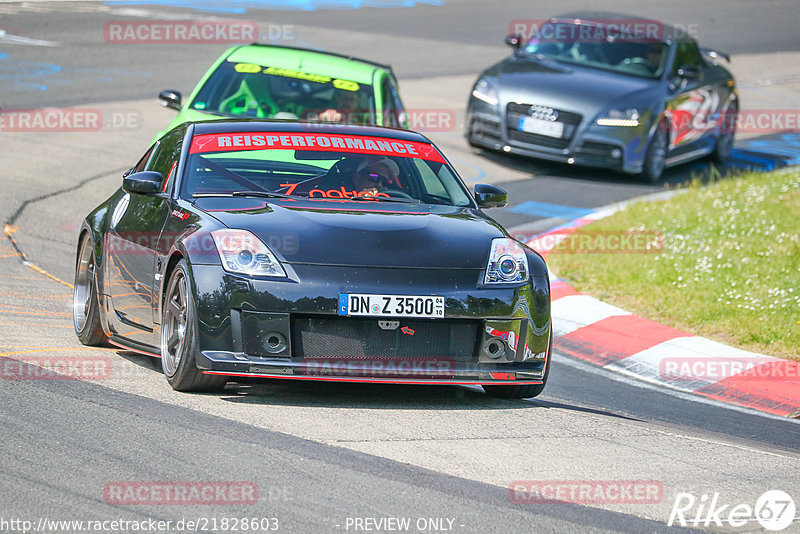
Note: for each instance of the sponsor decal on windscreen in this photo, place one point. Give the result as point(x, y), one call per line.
point(357, 144)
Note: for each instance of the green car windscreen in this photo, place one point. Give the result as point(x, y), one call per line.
point(258, 91)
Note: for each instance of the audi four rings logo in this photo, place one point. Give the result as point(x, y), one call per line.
point(542, 112)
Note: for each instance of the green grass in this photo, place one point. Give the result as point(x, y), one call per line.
point(729, 268)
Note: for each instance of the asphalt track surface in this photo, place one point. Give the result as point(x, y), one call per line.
point(323, 455)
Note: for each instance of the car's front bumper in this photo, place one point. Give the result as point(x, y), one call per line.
point(283, 329)
point(390, 372)
point(618, 148)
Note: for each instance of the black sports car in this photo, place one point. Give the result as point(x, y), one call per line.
point(315, 252)
point(606, 90)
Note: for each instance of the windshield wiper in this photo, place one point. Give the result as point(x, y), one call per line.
point(388, 199)
point(271, 194)
point(261, 194)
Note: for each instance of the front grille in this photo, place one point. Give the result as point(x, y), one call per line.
point(349, 338)
point(515, 111)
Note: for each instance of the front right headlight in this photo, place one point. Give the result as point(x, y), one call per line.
point(508, 263)
point(485, 92)
point(619, 117)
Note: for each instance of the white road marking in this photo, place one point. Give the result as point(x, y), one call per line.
point(576, 311)
point(689, 349)
point(621, 375)
point(7, 38)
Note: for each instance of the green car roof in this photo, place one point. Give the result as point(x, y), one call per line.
point(304, 60)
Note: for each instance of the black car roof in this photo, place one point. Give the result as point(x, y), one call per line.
point(250, 125)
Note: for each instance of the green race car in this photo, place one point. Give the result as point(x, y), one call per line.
point(281, 82)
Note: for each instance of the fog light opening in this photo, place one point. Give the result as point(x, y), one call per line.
point(494, 348)
point(274, 342)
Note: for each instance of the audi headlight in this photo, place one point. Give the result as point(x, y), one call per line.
point(507, 262)
point(241, 252)
point(620, 117)
point(486, 92)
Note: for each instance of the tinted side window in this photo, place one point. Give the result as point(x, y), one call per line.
point(687, 54)
point(142, 162)
point(166, 155)
point(433, 186)
point(388, 104)
point(400, 110)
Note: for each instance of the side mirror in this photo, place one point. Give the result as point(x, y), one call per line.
point(514, 41)
point(689, 72)
point(490, 196)
point(170, 98)
point(143, 183)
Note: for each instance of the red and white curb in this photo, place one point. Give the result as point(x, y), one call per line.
point(615, 339)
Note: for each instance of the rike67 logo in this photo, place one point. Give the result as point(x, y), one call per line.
point(774, 510)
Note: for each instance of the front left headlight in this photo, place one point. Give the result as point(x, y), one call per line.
point(241, 252)
point(619, 117)
point(485, 92)
point(507, 263)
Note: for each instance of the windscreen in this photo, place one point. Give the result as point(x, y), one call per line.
point(322, 167)
point(263, 91)
point(600, 47)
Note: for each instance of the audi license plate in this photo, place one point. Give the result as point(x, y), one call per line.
point(391, 305)
point(541, 127)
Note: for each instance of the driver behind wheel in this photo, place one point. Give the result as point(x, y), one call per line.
point(344, 107)
point(654, 53)
point(375, 175)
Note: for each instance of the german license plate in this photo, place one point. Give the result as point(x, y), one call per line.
point(391, 305)
point(541, 127)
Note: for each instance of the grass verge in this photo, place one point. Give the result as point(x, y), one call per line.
point(728, 268)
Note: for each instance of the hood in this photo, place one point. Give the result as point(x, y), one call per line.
point(565, 87)
point(352, 233)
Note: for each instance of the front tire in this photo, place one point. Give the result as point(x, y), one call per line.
point(523, 392)
point(656, 156)
point(179, 337)
point(85, 304)
point(726, 137)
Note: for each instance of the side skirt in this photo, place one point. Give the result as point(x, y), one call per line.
point(135, 346)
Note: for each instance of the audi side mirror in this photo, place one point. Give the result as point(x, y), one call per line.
point(514, 41)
